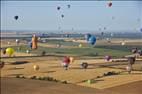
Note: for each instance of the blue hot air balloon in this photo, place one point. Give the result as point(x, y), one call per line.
point(92, 40)
point(87, 36)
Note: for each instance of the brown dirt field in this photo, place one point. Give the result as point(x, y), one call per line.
point(25, 86)
point(131, 88)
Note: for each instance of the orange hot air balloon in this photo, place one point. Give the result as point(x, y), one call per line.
point(34, 42)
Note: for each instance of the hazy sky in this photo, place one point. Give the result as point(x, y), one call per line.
point(82, 15)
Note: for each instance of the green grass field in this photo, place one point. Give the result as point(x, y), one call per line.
point(86, 50)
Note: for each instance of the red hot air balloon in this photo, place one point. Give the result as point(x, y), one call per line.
point(109, 4)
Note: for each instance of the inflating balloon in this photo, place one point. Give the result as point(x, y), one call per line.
point(36, 67)
point(84, 65)
point(10, 51)
point(2, 64)
point(107, 58)
point(92, 40)
point(71, 59)
point(34, 42)
point(16, 17)
point(87, 36)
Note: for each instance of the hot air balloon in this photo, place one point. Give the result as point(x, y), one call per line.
point(34, 42)
point(107, 58)
point(123, 43)
point(36, 67)
point(87, 36)
point(109, 4)
point(16, 17)
point(84, 65)
point(71, 59)
point(92, 40)
point(2, 64)
point(4, 51)
point(28, 51)
point(17, 41)
point(66, 62)
point(10, 51)
point(58, 8)
point(62, 16)
point(69, 6)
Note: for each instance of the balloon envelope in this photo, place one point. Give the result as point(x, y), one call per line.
point(9, 51)
point(92, 40)
point(109, 4)
point(16, 17)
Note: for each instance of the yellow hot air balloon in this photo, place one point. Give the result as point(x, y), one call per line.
point(10, 51)
point(71, 59)
point(36, 67)
point(80, 45)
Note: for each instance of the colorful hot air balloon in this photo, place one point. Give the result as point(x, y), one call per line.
point(16, 17)
point(92, 40)
point(10, 51)
point(34, 42)
point(66, 62)
point(107, 58)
